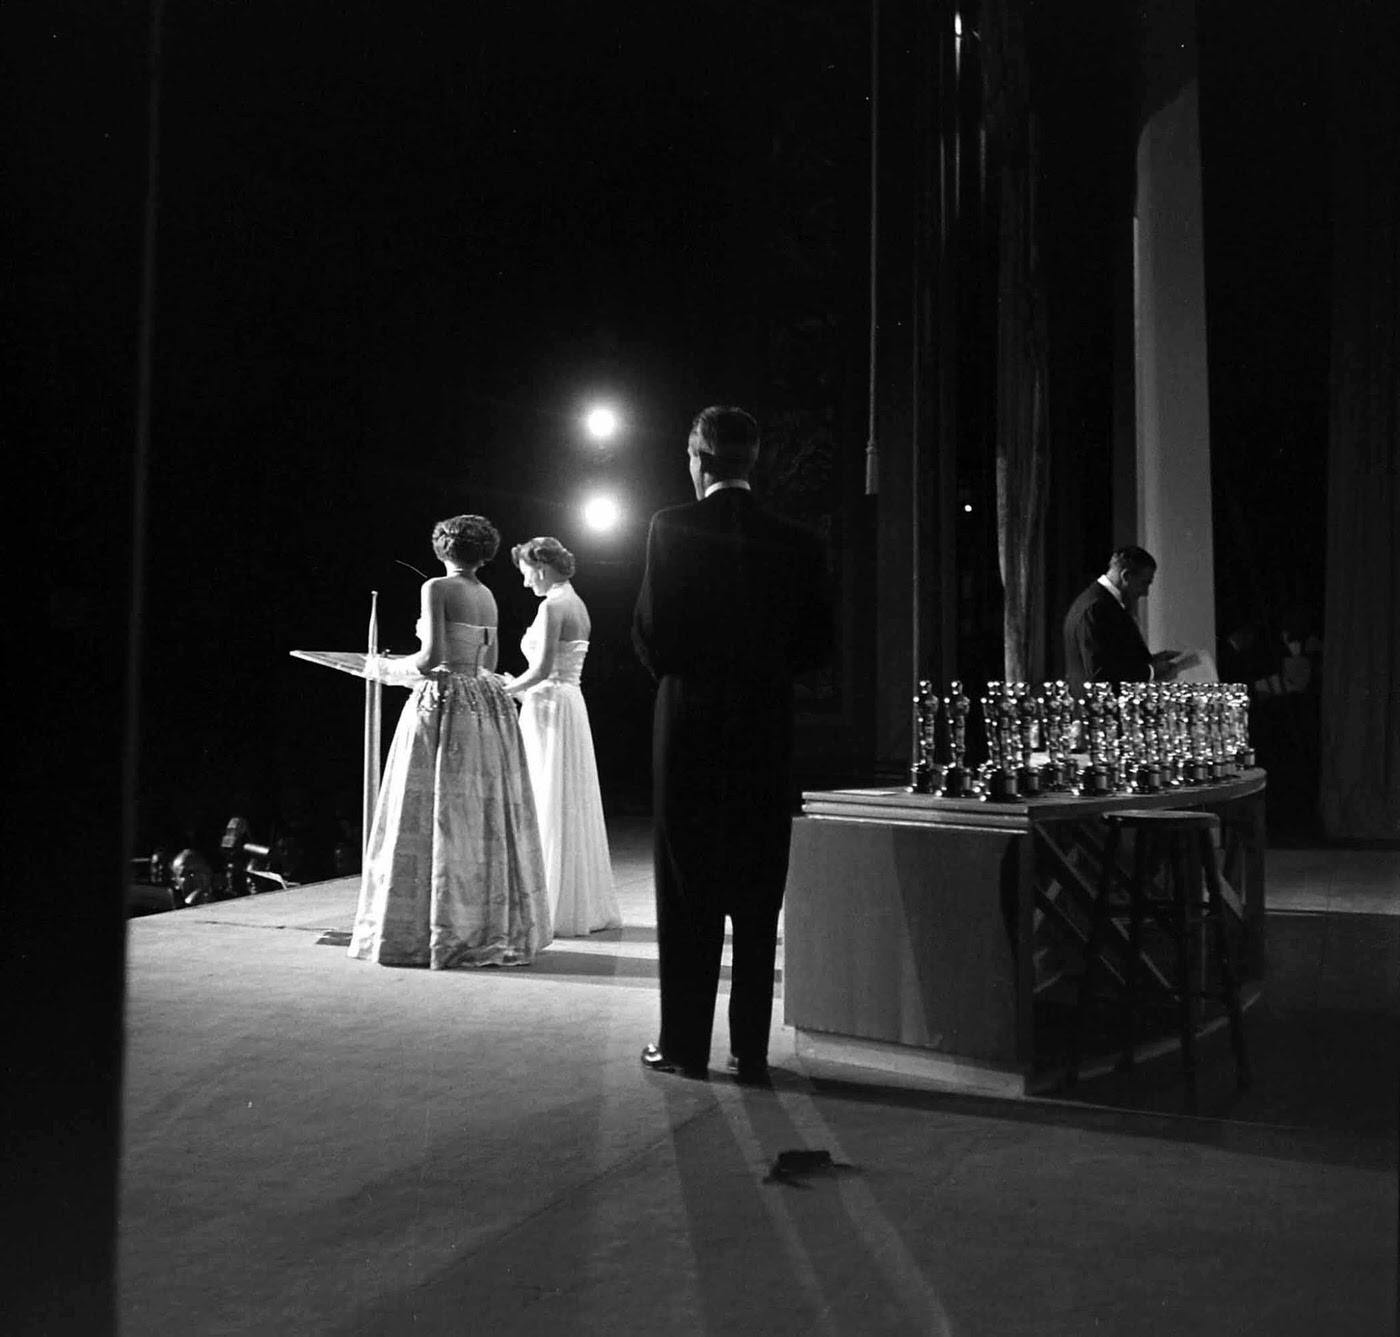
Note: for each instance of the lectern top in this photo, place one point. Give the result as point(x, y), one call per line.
point(346, 661)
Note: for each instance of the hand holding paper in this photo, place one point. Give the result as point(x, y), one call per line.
point(392, 670)
point(1171, 665)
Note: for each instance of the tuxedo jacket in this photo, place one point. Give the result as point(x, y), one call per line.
point(1102, 642)
point(735, 604)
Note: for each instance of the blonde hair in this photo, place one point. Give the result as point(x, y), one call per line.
point(545, 551)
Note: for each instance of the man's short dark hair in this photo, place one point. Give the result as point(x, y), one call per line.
point(1132, 558)
point(728, 441)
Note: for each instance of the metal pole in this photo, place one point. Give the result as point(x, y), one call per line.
point(373, 697)
point(872, 449)
point(141, 454)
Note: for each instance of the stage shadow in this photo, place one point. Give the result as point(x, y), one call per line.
point(607, 967)
point(1310, 1145)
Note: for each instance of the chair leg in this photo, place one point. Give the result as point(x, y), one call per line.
point(1142, 846)
point(1229, 985)
point(1184, 889)
point(1098, 921)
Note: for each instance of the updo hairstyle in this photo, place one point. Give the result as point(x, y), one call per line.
point(467, 540)
point(545, 552)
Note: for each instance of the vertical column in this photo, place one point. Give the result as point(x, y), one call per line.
point(1172, 458)
point(917, 356)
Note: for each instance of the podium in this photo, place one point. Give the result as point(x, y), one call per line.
point(346, 661)
point(353, 662)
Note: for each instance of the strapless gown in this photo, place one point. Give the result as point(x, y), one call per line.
point(564, 776)
point(454, 872)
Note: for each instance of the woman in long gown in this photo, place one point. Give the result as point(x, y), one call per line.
point(454, 872)
point(559, 745)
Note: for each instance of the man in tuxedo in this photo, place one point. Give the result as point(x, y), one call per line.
point(1102, 640)
point(733, 606)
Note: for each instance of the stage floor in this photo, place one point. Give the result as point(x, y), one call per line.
point(319, 1145)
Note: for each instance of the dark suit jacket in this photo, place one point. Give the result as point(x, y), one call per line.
point(1102, 642)
point(735, 603)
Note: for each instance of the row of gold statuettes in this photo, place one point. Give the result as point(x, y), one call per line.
point(1143, 738)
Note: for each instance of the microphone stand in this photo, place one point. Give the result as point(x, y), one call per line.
point(374, 692)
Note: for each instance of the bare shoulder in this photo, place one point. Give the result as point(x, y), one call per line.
point(463, 601)
point(575, 624)
point(483, 606)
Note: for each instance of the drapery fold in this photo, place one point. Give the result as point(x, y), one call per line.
point(1022, 438)
point(1360, 774)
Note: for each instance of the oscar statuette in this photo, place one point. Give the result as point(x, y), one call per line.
point(1027, 722)
point(999, 720)
point(925, 775)
point(955, 778)
point(1094, 781)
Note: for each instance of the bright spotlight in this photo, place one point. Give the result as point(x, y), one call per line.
point(601, 514)
point(601, 423)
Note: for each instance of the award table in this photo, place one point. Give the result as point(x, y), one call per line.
point(933, 941)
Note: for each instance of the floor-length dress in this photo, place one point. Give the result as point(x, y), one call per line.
point(564, 775)
point(454, 873)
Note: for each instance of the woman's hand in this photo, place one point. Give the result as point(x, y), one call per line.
point(539, 669)
point(392, 670)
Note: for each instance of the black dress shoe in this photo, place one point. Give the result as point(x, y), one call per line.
point(750, 1072)
point(653, 1060)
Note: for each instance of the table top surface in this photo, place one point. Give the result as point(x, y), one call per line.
point(895, 804)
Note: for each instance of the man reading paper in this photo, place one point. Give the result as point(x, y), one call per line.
point(1102, 640)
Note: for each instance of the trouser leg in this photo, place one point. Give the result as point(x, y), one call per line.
point(690, 942)
point(751, 982)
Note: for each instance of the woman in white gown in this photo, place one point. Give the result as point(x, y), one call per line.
point(559, 745)
point(454, 873)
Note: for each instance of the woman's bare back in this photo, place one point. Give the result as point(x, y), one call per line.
point(574, 622)
point(465, 599)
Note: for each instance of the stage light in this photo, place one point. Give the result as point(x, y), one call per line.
point(601, 514)
point(601, 423)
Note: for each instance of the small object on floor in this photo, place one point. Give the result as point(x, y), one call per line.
point(791, 1167)
point(653, 1060)
point(335, 937)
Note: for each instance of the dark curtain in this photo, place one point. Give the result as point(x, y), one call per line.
point(1360, 775)
point(1022, 441)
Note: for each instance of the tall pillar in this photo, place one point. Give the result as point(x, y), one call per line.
point(914, 598)
point(1172, 492)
